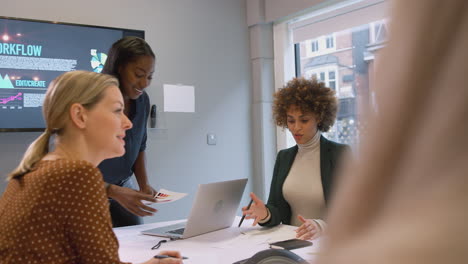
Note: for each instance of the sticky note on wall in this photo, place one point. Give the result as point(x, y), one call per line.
point(179, 98)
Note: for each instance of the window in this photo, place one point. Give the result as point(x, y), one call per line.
point(338, 45)
point(314, 46)
point(330, 42)
point(348, 71)
point(320, 46)
point(332, 80)
point(326, 75)
point(378, 32)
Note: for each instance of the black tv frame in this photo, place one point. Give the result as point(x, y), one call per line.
point(126, 32)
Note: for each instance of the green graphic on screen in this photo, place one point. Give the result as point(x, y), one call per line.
point(5, 82)
point(98, 59)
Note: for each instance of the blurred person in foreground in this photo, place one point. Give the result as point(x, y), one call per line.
point(405, 200)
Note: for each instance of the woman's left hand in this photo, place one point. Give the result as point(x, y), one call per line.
point(308, 230)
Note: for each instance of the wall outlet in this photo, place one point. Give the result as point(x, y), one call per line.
point(211, 139)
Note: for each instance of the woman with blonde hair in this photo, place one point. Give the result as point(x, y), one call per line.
point(55, 208)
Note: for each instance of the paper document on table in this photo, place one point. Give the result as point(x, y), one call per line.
point(274, 234)
point(241, 241)
point(166, 196)
point(259, 236)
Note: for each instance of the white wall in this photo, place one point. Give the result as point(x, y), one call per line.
point(274, 10)
point(202, 43)
point(278, 9)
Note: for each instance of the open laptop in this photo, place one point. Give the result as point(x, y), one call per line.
point(214, 208)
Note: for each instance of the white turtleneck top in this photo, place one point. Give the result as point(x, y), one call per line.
point(302, 188)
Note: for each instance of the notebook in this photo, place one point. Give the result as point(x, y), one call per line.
point(214, 208)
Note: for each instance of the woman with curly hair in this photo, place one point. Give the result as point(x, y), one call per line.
point(304, 174)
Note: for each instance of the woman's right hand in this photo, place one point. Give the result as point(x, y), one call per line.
point(257, 210)
point(176, 258)
point(308, 230)
point(131, 200)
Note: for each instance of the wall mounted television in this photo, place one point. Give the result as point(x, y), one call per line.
point(34, 52)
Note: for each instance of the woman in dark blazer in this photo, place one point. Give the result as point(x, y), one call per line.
point(304, 174)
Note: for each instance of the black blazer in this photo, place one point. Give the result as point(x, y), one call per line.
point(280, 210)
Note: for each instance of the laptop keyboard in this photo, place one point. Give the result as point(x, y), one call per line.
point(179, 231)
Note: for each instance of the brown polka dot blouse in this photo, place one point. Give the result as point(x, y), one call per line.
point(58, 213)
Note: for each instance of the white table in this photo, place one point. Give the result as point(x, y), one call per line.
point(215, 247)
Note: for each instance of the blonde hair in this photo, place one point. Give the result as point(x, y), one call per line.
point(83, 87)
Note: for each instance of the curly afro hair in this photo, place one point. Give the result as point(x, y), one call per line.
point(310, 96)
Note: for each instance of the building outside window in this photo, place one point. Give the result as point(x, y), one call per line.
point(338, 45)
point(321, 45)
point(347, 67)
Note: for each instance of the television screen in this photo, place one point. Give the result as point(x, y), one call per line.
point(33, 53)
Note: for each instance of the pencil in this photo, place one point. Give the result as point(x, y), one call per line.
point(166, 256)
point(248, 207)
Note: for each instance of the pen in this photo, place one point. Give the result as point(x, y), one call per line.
point(166, 256)
point(248, 207)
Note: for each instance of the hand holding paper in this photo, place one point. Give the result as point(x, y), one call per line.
point(166, 196)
